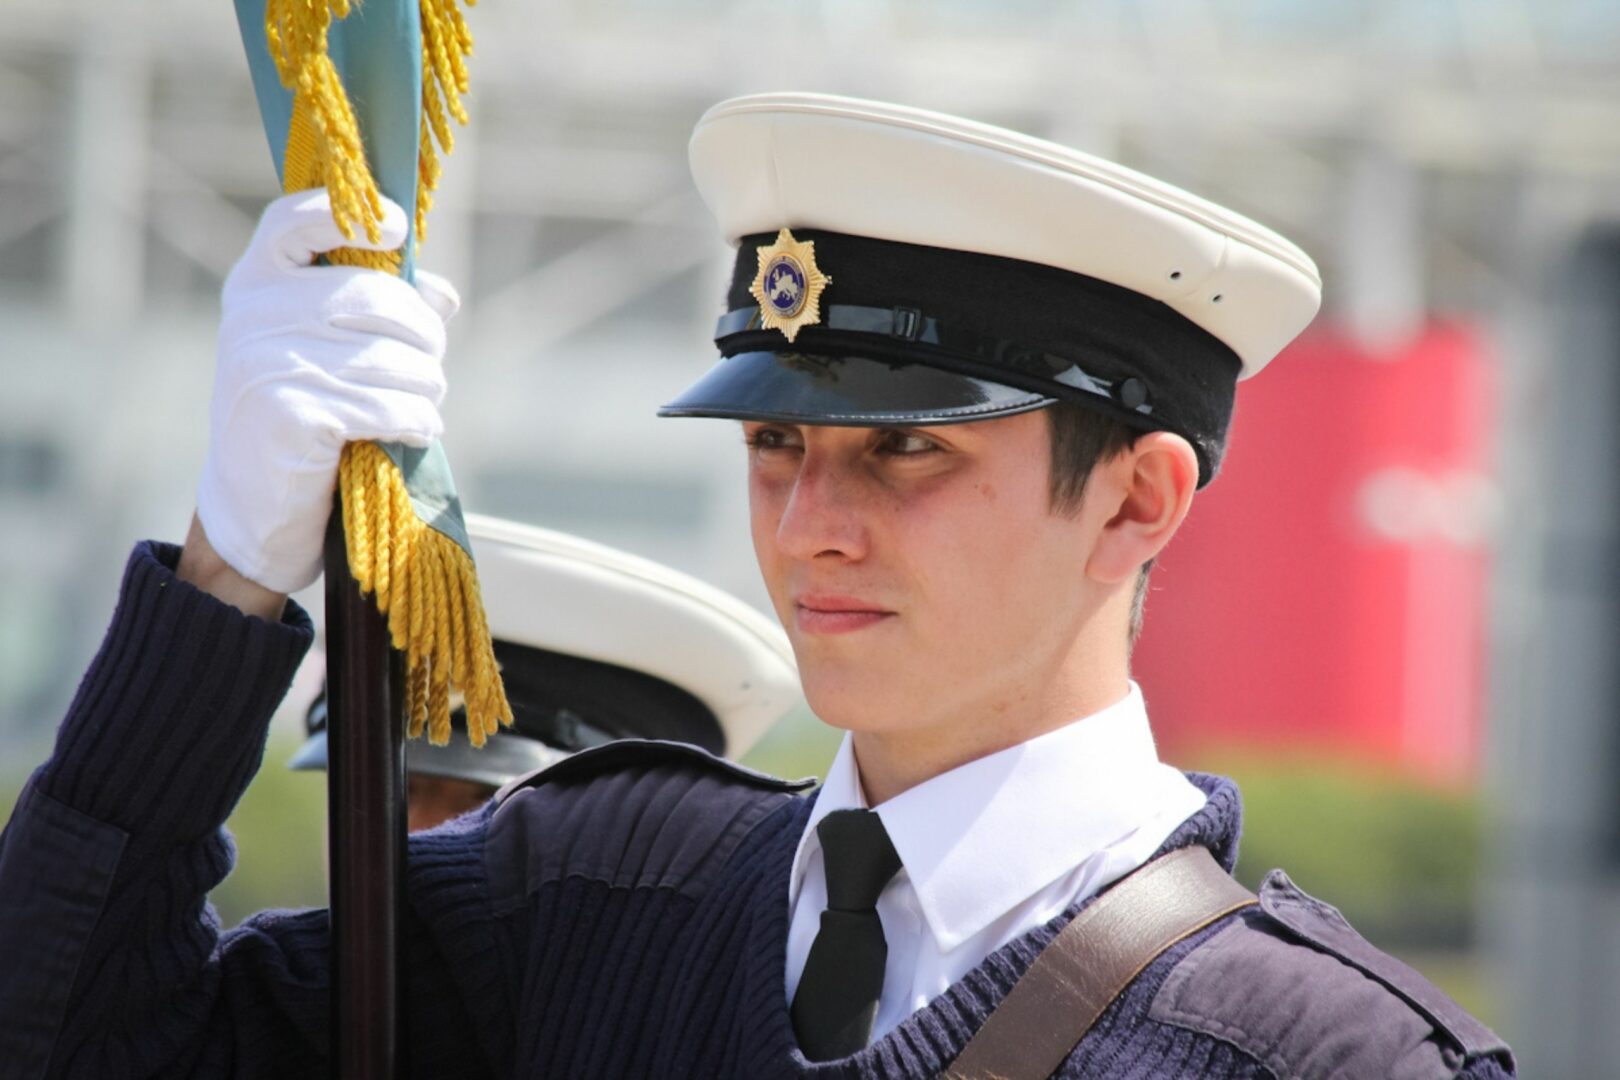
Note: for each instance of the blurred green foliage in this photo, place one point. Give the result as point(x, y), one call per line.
point(280, 833)
point(1399, 858)
point(798, 746)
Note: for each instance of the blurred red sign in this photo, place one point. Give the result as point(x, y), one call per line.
point(1328, 589)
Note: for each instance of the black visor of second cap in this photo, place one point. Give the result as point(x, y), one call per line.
point(561, 704)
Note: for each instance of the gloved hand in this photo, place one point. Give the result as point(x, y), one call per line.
point(311, 357)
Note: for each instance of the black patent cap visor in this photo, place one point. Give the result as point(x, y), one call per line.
point(850, 391)
point(502, 758)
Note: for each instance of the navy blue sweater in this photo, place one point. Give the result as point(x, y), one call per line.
point(623, 916)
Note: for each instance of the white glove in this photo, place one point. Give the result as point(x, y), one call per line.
point(311, 357)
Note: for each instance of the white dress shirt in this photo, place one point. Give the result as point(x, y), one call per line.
point(996, 847)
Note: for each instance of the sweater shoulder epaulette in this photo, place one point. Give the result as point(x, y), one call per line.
point(630, 814)
point(1292, 984)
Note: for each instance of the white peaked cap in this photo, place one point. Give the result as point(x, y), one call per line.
point(815, 161)
point(552, 591)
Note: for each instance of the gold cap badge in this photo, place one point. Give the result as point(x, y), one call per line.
point(788, 285)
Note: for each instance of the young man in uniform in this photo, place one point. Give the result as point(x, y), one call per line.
point(981, 377)
point(594, 644)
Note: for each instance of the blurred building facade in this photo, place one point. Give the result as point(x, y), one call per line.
point(1452, 163)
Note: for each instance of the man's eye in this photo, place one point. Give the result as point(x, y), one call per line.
point(770, 438)
point(905, 443)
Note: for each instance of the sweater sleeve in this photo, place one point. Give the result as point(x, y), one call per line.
point(115, 963)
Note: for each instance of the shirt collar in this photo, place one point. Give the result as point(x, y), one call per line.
point(984, 837)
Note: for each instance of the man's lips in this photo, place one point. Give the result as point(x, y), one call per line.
point(825, 613)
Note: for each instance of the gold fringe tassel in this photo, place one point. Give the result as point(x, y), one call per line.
point(427, 586)
point(423, 581)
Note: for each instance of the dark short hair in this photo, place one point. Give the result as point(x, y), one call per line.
point(1082, 439)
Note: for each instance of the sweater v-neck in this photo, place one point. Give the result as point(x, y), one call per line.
point(930, 1038)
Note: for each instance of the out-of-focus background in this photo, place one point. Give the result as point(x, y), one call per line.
point(1396, 616)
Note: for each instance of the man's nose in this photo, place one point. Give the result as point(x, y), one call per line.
point(825, 512)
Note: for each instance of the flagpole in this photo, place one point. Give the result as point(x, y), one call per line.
point(365, 824)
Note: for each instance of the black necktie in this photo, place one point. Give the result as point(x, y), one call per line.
point(837, 999)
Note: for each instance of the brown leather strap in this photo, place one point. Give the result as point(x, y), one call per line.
point(1092, 960)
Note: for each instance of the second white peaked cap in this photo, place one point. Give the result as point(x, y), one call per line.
point(593, 635)
point(557, 592)
point(817, 161)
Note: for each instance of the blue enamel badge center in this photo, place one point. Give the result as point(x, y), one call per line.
point(784, 286)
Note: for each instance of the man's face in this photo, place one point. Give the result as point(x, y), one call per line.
point(919, 572)
point(433, 800)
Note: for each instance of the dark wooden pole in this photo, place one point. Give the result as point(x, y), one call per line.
point(365, 778)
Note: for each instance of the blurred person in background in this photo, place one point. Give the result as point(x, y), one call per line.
point(981, 377)
point(594, 645)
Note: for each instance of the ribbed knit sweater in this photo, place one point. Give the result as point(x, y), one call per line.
point(625, 917)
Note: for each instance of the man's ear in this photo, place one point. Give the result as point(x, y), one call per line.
point(1150, 489)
